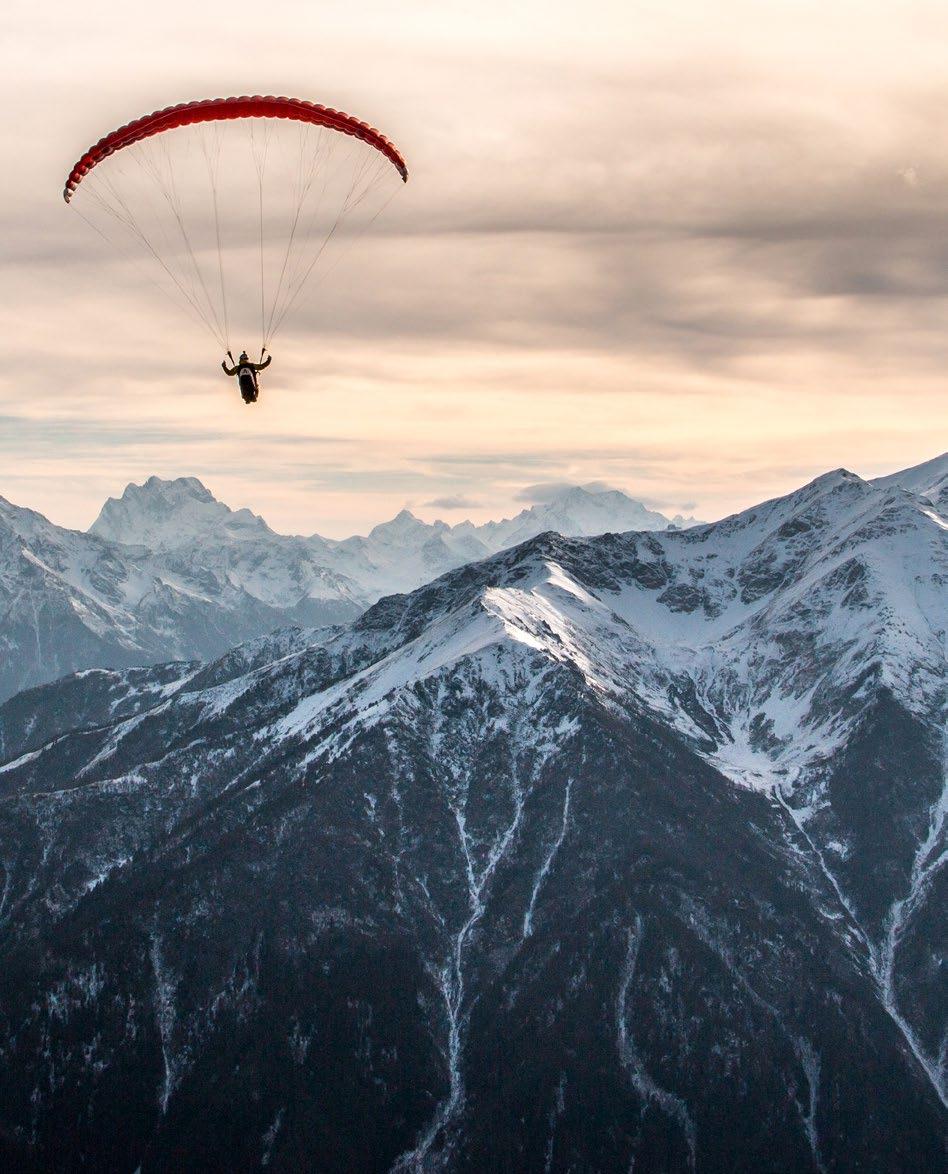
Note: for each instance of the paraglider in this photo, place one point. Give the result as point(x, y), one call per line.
point(246, 373)
point(237, 205)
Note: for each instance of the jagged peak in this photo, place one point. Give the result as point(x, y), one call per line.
point(403, 523)
point(21, 518)
point(789, 503)
point(169, 513)
point(174, 487)
point(830, 480)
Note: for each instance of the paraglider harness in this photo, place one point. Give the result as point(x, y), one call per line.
point(246, 373)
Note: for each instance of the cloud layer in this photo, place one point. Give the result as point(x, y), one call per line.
point(701, 259)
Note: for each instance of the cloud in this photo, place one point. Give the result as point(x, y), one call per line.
point(599, 487)
point(664, 506)
point(541, 493)
point(456, 502)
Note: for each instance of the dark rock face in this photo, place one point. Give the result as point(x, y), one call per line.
point(92, 698)
point(312, 964)
point(513, 873)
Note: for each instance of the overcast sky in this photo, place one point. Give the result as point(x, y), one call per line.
point(695, 251)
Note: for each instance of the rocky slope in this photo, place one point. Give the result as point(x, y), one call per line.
point(624, 851)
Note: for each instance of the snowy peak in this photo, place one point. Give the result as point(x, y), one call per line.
point(838, 487)
point(167, 570)
point(577, 512)
point(859, 565)
point(178, 488)
point(165, 515)
point(15, 520)
point(929, 479)
point(397, 555)
point(403, 527)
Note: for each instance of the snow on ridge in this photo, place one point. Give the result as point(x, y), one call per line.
point(397, 555)
point(624, 639)
point(927, 479)
point(450, 639)
point(213, 566)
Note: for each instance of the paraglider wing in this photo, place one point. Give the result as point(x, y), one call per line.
point(219, 109)
point(234, 203)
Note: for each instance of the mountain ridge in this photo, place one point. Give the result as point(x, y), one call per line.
point(118, 524)
point(169, 572)
point(569, 857)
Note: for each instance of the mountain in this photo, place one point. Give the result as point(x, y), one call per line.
point(929, 479)
point(577, 512)
point(70, 600)
point(167, 571)
point(398, 555)
point(166, 515)
point(404, 553)
point(626, 851)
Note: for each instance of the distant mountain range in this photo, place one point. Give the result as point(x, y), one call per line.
point(167, 571)
point(610, 853)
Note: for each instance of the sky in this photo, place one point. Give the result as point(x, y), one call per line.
point(696, 252)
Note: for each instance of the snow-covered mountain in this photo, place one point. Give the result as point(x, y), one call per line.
point(70, 600)
point(166, 515)
point(168, 571)
point(930, 479)
point(626, 850)
point(577, 512)
point(398, 555)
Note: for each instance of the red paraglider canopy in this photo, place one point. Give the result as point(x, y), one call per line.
point(219, 109)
